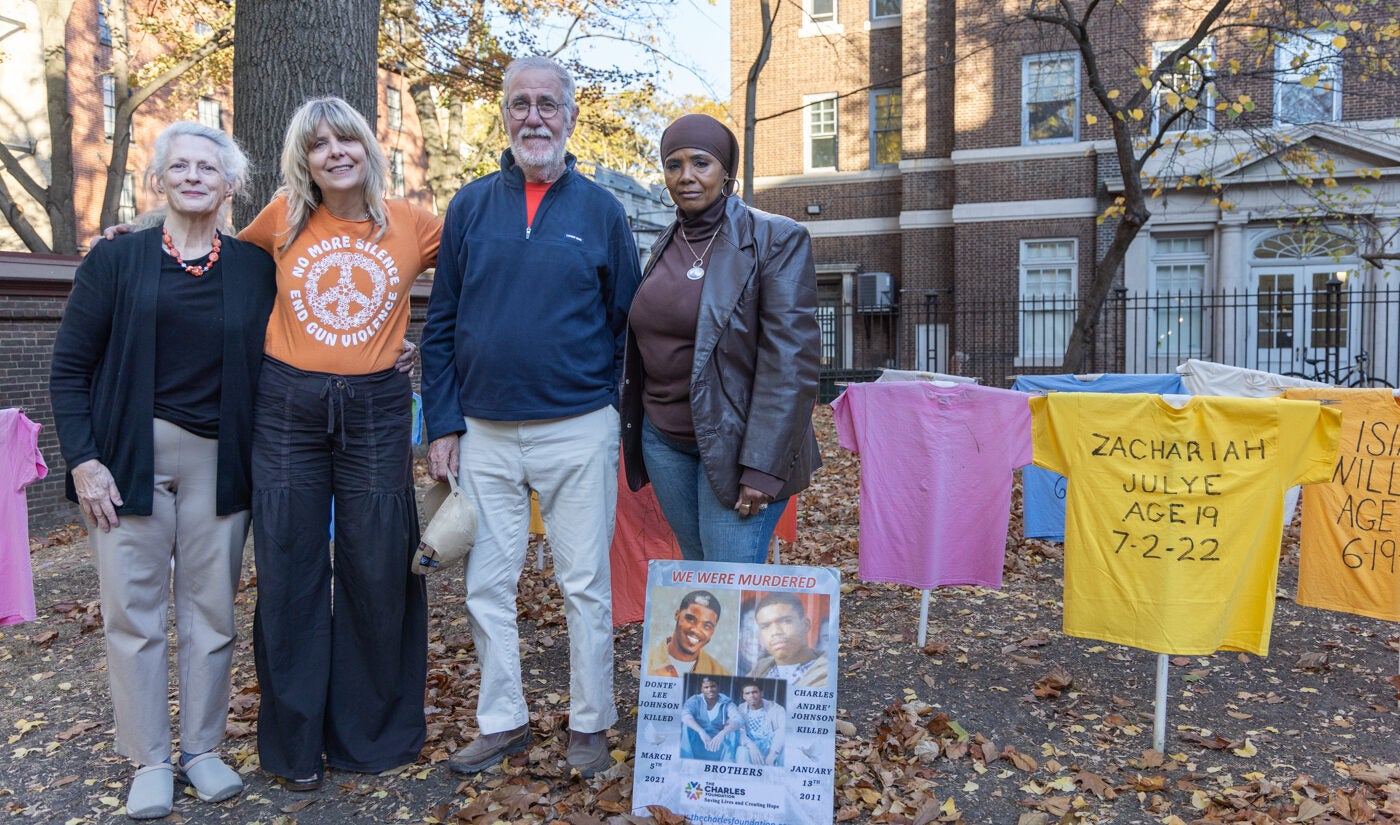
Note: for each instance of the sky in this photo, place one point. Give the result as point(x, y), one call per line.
point(699, 36)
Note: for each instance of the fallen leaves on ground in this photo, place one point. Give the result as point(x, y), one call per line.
point(998, 719)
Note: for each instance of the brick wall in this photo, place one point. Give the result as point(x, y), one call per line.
point(927, 260)
point(929, 190)
point(873, 253)
point(879, 198)
point(33, 290)
point(1026, 180)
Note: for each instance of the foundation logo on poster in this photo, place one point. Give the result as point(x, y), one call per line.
point(341, 304)
point(693, 790)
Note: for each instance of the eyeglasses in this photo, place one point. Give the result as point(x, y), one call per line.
point(519, 110)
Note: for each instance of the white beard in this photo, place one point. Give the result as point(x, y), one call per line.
point(550, 159)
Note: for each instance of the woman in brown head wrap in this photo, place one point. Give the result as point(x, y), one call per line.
point(722, 357)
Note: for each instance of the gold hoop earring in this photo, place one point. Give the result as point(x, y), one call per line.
point(665, 198)
point(731, 185)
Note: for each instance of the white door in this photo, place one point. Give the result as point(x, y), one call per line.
point(1300, 319)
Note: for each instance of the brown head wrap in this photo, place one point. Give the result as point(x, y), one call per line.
point(705, 133)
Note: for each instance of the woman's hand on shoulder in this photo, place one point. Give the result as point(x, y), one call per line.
point(408, 358)
point(97, 494)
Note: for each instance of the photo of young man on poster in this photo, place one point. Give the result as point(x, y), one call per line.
point(709, 719)
point(762, 722)
point(699, 617)
point(784, 638)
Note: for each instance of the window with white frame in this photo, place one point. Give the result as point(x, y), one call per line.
point(109, 105)
point(884, 9)
point(1307, 79)
point(396, 172)
point(1180, 269)
point(1184, 87)
point(886, 120)
point(1049, 280)
point(1050, 98)
point(211, 113)
point(104, 29)
point(821, 133)
point(820, 11)
point(126, 206)
point(393, 99)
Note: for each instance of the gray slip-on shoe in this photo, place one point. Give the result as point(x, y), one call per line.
point(152, 792)
point(213, 781)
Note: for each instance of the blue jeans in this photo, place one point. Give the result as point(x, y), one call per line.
point(705, 528)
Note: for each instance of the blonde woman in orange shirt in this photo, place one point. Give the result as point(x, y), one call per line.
point(340, 647)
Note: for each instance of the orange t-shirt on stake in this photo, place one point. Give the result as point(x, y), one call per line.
point(1349, 560)
point(342, 297)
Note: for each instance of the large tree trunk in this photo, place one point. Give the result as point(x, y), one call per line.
point(286, 53)
point(121, 128)
point(58, 200)
point(442, 133)
point(751, 94)
point(130, 98)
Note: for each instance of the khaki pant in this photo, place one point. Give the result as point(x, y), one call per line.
point(135, 562)
point(572, 463)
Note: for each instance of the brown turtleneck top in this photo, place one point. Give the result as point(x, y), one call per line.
point(663, 318)
point(664, 313)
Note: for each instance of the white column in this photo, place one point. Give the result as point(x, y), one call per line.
point(1231, 267)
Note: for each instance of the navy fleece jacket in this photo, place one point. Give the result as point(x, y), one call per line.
point(527, 322)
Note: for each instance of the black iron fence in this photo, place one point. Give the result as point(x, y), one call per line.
point(1340, 334)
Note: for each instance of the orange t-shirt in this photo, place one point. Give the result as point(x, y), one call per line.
point(534, 193)
point(342, 297)
point(1349, 558)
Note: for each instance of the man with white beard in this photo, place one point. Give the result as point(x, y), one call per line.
point(522, 349)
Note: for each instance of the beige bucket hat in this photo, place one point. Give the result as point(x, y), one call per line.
point(451, 529)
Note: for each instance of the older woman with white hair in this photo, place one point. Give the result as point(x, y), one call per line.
point(154, 371)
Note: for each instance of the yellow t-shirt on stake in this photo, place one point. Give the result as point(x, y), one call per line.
point(1174, 516)
point(1351, 525)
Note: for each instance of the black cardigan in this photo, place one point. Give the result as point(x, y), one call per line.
point(102, 379)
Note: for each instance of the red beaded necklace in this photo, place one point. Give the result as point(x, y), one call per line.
point(196, 271)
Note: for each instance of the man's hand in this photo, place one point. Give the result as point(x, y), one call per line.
point(442, 457)
point(111, 232)
point(97, 494)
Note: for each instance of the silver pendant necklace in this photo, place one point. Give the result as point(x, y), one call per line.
point(697, 269)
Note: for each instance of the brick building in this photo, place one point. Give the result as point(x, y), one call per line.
point(952, 169)
point(92, 104)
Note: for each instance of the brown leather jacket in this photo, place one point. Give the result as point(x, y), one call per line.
point(757, 355)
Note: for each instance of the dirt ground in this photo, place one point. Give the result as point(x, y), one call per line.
point(999, 719)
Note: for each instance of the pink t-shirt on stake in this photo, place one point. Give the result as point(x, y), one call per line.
point(21, 464)
point(935, 478)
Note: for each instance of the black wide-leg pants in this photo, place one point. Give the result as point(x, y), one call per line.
point(340, 644)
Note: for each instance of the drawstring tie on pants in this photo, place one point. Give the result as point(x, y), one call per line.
point(341, 389)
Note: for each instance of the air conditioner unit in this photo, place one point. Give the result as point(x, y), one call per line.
point(874, 292)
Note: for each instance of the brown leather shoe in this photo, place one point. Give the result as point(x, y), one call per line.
point(489, 749)
point(588, 753)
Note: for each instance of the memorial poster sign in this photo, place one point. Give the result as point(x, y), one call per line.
point(736, 718)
